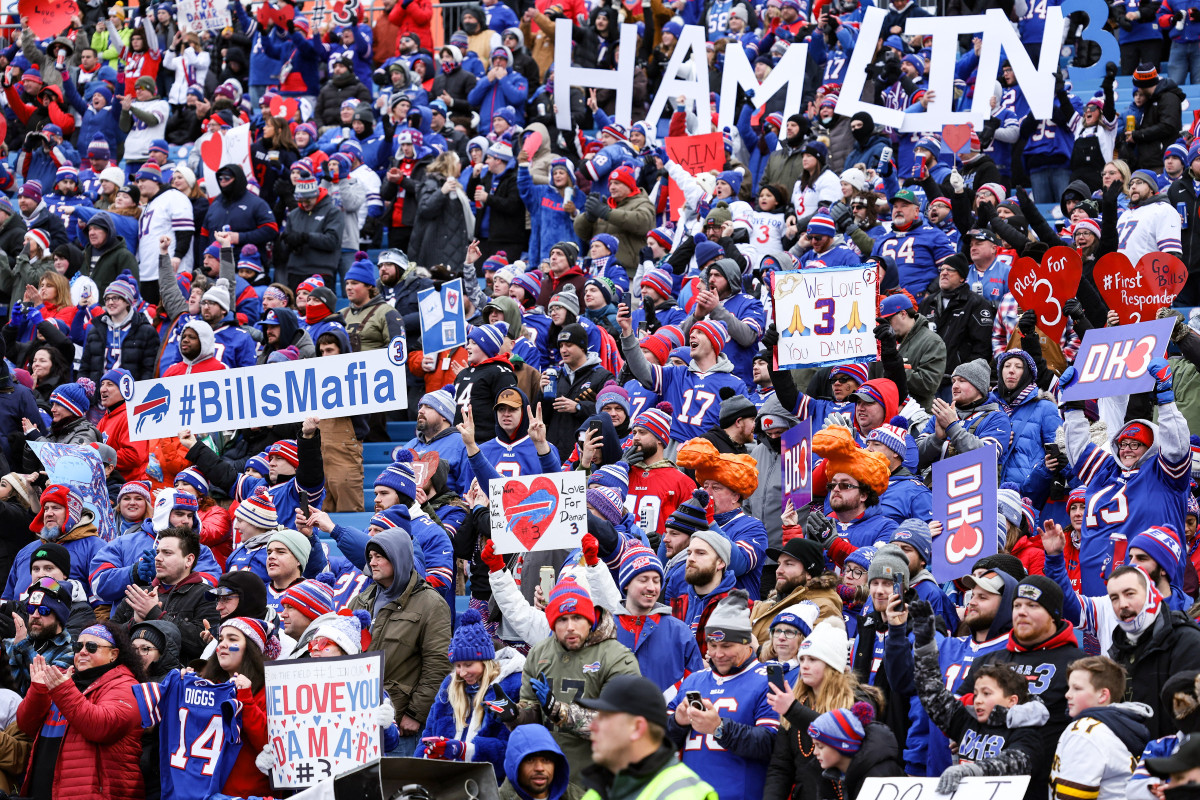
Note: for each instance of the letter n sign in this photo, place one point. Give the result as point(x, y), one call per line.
point(964, 501)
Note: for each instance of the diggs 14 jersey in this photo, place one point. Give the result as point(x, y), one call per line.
point(737, 698)
point(199, 733)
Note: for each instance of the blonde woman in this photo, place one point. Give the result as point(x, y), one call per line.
point(825, 684)
point(458, 727)
point(1117, 171)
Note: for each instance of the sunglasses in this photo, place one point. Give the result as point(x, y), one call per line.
point(41, 611)
point(841, 486)
point(91, 647)
point(842, 378)
point(319, 643)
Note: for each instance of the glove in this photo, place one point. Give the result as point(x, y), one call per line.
point(948, 783)
point(749, 93)
point(542, 690)
point(1027, 323)
point(385, 713)
point(144, 566)
point(956, 181)
point(444, 749)
point(372, 227)
point(593, 203)
point(297, 239)
point(839, 419)
point(1074, 309)
point(840, 214)
point(986, 212)
point(1160, 368)
point(885, 168)
point(591, 550)
point(493, 562)
point(819, 528)
point(504, 709)
point(1069, 377)
point(265, 760)
point(885, 335)
point(1194, 15)
point(988, 134)
point(921, 614)
point(770, 337)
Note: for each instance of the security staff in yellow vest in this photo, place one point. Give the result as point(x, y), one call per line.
point(633, 758)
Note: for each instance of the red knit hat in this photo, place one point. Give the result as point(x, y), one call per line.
point(287, 450)
point(624, 174)
point(657, 347)
point(1139, 432)
point(568, 597)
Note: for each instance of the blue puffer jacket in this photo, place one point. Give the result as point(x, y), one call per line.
point(527, 740)
point(1035, 421)
point(491, 96)
point(549, 224)
point(489, 742)
point(665, 647)
point(109, 568)
point(906, 497)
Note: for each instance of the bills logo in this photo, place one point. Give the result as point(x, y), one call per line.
point(592, 667)
point(568, 606)
point(716, 636)
point(154, 407)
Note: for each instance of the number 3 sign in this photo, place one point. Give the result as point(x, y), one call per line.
point(1044, 288)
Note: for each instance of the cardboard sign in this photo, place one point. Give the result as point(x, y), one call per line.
point(1044, 288)
point(443, 319)
point(1136, 294)
point(268, 394)
point(1113, 361)
point(321, 717)
point(695, 154)
point(538, 512)
point(80, 468)
point(825, 316)
point(202, 15)
point(797, 465)
point(48, 18)
point(231, 146)
point(964, 501)
point(972, 788)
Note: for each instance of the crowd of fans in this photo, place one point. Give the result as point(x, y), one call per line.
point(705, 639)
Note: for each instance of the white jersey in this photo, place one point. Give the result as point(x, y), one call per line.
point(1091, 761)
point(766, 235)
point(371, 185)
point(169, 212)
point(826, 190)
point(1151, 227)
point(137, 141)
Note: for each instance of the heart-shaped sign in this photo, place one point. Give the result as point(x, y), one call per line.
point(212, 150)
point(530, 511)
point(957, 137)
point(964, 543)
point(286, 107)
point(1137, 294)
point(1043, 288)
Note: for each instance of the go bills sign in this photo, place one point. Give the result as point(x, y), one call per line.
point(268, 394)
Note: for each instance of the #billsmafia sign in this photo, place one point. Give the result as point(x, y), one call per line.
point(321, 717)
point(975, 788)
point(1113, 361)
point(825, 315)
point(964, 501)
point(203, 15)
point(268, 394)
point(797, 465)
point(687, 71)
point(538, 512)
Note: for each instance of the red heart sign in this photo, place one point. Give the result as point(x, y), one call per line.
point(531, 510)
point(957, 136)
point(286, 107)
point(1137, 294)
point(1044, 288)
point(964, 543)
point(212, 150)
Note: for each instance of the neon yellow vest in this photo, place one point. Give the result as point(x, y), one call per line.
point(676, 782)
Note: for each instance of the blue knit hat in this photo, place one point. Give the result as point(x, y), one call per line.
point(733, 178)
point(863, 557)
point(362, 270)
point(489, 338)
point(706, 251)
point(1161, 543)
point(115, 375)
point(609, 241)
point(471, 640)
point(400, 478)
point(613, 392)
point(258, 463)
point(614, 476)
point(636, 560)
point(441, 401)
point(843, 729)
point(821, 224)
point(915, 533)
point(73, 397)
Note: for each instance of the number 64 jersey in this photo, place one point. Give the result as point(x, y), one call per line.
point(199, 732)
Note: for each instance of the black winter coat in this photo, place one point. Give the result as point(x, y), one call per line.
point(877, 757)
point(138, 351)
point(1162, 118)
point(439, 233)
point(506, 221)
point(1171, 645)
point(562, 426)
point(965, 325)
point(187, 606)
point(12, 236)
point(1184, 191)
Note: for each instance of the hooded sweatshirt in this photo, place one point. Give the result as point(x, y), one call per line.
point(396, 546)
point(527, 740)
point(206, 361)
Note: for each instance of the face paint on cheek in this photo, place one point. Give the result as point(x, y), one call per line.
point(233, 648)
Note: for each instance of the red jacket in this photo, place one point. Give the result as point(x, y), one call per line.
point(216, 531)
point(98, 759)
point(210, 364)
point(131, 456)
point(244, 779)
point(1033, 556)
point(412, 16)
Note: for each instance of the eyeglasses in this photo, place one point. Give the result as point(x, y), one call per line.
point(785, 633)
point(91, 647)
point(841, 486)
point(946, 269)
point(1129, 444)
point(143, 650)
point(854, 572)
point(41, 611)
point(319, 643)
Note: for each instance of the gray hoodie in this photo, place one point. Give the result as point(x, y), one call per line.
point(396, 546)
point(767, 501)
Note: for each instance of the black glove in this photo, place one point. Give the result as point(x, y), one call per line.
point(297, 239)
point(921, 614)
point(650, 314)
point(505, 709)
point(291, 27)
point(372, 228)
point(840, 214)
point(1194, 15)
point(988, 134)
point(1027, 323)
point(1074, 309)
point(885, 335)
point(379, 78)
point(819, 528)
point(770, 337)
point(986, 213)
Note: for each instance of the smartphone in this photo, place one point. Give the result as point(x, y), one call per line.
point(694, 700)
point(624, 298)
point(594, 428)
point(898, 590)
point(1053, 452)
point(546, 574)
point(775, 676)
point(303, 495)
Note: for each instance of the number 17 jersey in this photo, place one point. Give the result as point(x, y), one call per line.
point(695, 396)
point(199, 733)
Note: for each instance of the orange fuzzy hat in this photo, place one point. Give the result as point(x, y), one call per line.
point(738, 472)
point(836, 445)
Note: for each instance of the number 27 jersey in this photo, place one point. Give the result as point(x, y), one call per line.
point(199, 734)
